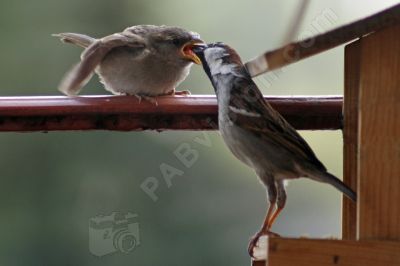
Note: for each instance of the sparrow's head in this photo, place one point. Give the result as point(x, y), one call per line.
point(171, 43)
point(219, 59)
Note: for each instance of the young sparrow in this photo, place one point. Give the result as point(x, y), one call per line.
point(257, 134)
point(143, 60)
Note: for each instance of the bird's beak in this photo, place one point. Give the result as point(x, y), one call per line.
point(187, 50)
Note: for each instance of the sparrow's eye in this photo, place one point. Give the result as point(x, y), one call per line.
point(177, 42)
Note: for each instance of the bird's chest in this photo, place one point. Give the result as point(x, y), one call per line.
point(247, 147)
point(123, 71)
point(235, 137)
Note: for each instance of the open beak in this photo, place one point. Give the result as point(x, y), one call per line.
point(188, 53)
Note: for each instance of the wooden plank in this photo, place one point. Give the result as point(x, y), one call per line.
point(126, 113)
point(379, 139)
point(307, 252)
point(350, 136)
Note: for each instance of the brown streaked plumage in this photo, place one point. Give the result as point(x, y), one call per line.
point(257, 134)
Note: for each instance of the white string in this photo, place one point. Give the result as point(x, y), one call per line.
point(296, 22)
point(259, 65)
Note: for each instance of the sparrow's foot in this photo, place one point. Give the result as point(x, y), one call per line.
point(138, 97)
point(150, 99)
point(254, 240)
point(181, 93)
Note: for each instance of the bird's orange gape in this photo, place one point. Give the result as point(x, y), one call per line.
point(187, 51)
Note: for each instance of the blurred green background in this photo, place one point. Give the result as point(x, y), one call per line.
point(52, 184)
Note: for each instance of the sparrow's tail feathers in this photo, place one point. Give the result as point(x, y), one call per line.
point(75, 38)
point(81, 73)
point(336, 182)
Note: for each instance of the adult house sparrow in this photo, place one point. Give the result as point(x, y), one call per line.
point(143, 60)
point(257, 134)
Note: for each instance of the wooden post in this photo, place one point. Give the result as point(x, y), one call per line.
point(350, 136)
point(379, 136)
point(372, 154)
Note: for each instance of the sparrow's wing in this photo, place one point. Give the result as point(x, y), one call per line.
point(255, 115)
point(92, 56)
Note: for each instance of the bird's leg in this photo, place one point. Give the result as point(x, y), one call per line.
point(280, 203)
point(273, 218)
point(138, 97)
point(272, 195)
point(263, 231)
point(150, 99)
point(181, 93)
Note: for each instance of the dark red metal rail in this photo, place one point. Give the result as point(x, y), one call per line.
point(126, 113)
